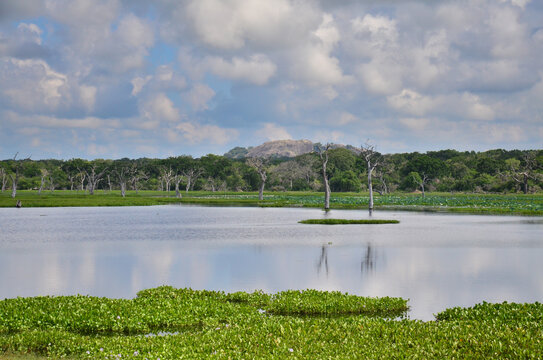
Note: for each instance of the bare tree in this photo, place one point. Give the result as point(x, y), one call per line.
point(3, 175)
point(52, 184)
point(373, 160)
point(82, 177)
point(261, 168)
point(15, 176)
point(109, 185)
point(323, 154)
point(44, 176)
point(136, 175)
point(177, 180)
point(94, 177)
point(521, 172)
point(191, 175)
point(122, 173)
point(166, 176)
point(421, 181)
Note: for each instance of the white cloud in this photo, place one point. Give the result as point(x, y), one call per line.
point(234, 24)
point(271, 132)
point(347, 118)
point(411, 102)
point(313, 63)
point(54, 122)
point(199, 96)
point(257, 69)
point(160, 108)
point(88, 96)
point(138, 83)
point(31, 84)
point(164, 79)
point(195, 133)
point(415, 124)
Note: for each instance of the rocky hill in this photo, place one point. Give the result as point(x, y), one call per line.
point(276, 149)
point(280, 149)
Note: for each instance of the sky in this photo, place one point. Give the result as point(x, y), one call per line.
point(138, 78)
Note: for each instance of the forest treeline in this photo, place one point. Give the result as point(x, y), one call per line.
point(497, 171)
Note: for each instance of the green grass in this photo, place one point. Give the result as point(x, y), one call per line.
point(465, 203)
point(346, 221)
point(306, 324)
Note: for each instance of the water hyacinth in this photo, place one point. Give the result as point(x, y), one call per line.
point(306, 324)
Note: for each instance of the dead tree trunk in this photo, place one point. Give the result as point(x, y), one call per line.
point(14, 181)
point(167, 177)
point(191, 175)
point(15, 177)
point(94, 178)
point(122, 175)
point(44, 174)
point(260, 167)
point(3, 176)
point(372, 159)
point(177, 180)
point(52, 183)
point(323, 154)
point(82, 177)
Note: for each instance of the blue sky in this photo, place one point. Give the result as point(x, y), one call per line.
point(134, 78)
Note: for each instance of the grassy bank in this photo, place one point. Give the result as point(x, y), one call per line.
point(465, 203)
point(170, 323)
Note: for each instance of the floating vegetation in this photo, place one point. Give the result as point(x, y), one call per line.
point(347, 221)
point(307, 324)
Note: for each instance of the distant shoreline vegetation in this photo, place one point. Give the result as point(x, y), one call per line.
point(493, 171)
point(512, 204)
point(447, 180)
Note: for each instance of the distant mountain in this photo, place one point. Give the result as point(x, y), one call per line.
point(280, 149)
point(275, 149)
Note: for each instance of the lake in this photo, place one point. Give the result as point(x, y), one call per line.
point(436, 260)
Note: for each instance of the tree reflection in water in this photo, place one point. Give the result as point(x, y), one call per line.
point(323, 260)
point(369, 260)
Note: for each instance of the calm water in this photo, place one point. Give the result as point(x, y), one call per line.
point(435, 260)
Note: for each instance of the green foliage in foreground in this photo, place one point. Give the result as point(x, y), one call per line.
point(347, 221)
point(170, 323)
point(465, 203)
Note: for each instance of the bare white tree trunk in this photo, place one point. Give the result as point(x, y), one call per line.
point(323, 154)
point(260, 166)
point(44, 174)
point(15, 177)
point(122, 173)
point(14, 180)
point(167, 177)
point(136, 176)
point(82, 177)
point(372, 159)
point(71, 179)
point(191, 175)
point(52, 184)
point(177, 179)
point(3, 176)
point(370, 186)
point(94, 178)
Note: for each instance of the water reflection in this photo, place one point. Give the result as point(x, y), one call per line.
point(369, 259)
point(323, 260)
point(436, 261)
